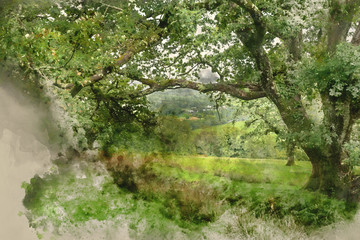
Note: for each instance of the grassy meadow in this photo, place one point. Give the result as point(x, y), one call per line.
point(248, 170)
point(180, 197)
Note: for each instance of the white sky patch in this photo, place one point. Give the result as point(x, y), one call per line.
point(350, 34)
point(63, 13)
point(139, 11)
point(276, 41)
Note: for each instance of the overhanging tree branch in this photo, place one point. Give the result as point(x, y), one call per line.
point(253, 41)
point(251, 8)
point(243, 91)
point(122, 60)
point(132, 50)
point(253, 37)
point(257, 17)
point(111, 6)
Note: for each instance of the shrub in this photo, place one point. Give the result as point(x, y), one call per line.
point(175, 135)
point(185, 201)
point(310, 210)
point(196, 202)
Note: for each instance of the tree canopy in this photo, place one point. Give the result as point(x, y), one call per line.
point(104, 57)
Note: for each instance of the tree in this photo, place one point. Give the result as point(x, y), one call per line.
point(114, 53)
point(263, 117)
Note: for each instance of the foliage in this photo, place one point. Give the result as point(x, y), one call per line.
point(172, 135)
point(80, 40)
point(339, 72)
point(105, 57)
point(175, 135)
point(352, 149)
point(235, 140)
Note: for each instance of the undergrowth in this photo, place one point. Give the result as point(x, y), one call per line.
point(201, 193)
point(163, 197)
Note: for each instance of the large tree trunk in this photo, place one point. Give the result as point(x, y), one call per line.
point(327, 172)
point(327, 175)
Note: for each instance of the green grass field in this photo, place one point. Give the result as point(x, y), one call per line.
point(248, 170)
point(192, 196)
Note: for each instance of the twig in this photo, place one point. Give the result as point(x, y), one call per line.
point(110, 6)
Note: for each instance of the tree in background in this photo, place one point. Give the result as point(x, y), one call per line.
point(106, 56)
point(175, 135)
point(263, 118)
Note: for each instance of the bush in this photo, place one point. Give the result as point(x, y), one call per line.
point(308, 209)
point(207, 142)
point(183, 201)
point(232, 141)
point(196, 202)
point(175, 135)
